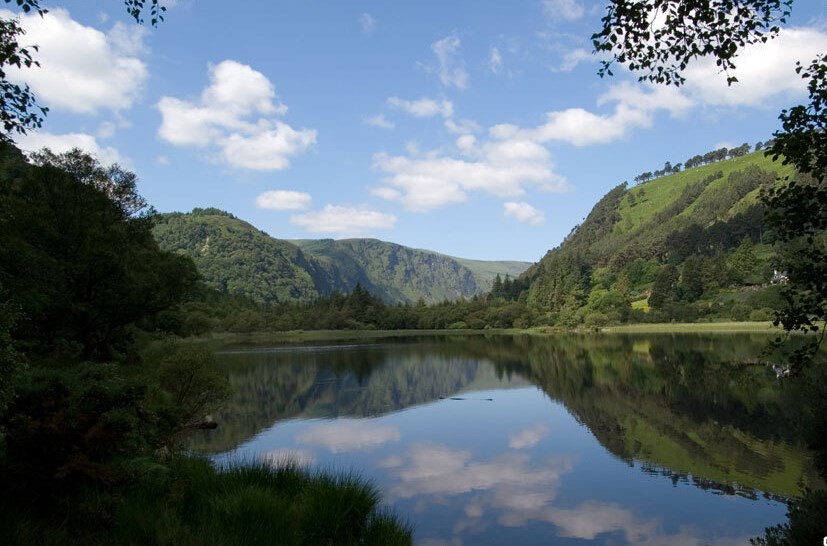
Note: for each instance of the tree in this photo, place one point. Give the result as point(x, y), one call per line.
point(81, 267)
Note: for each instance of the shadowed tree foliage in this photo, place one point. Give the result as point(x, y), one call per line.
point(82, 269)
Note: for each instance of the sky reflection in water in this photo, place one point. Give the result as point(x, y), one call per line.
point(516, 469)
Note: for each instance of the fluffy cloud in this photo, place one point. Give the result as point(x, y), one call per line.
point(573, 58)
point(503, 166)
point(345, 435)
point(764, 71)
point(344, 221)
point(568, 10)
point(424, 107)
point(513, 158)
point(283, 200)
point(81, 68)
point(634, 106)
point(451, 71)
point(499, 167)
point(378, 121)
point(367, 22)
point(34, 141)
point(235, 115)
point(523, 212)
point(495, 61)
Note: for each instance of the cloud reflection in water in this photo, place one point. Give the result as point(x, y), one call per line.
point(343, 435)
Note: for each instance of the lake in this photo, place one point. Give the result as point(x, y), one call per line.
point(602, 439)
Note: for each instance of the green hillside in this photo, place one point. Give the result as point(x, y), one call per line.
point(236, 258)
point(687, 246)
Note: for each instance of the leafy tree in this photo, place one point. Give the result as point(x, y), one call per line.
point(81, 269)
point(743, 262)
point(691, 283)
point(665, 287)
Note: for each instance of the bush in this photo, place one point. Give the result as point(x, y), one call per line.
point(764, 314)
point(596, 320)
point(740, 311)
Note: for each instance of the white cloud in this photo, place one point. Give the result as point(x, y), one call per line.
point(378, 121)
point(367, 22)
point(268, 149)
point(283, 200)
point(424, 107)
point(343, 435)
point(764, 71)
point(344, 220)
point(107, 129)
point(568, 10)
point(35, 141)
point(81, 68)
point(451, 71)
point(528, 437)
point(525, 213)
point(513, 157)
point(634, 106)
point(240, 90)
point(128, 39)
point(235, 115)
point(499, 167)
point(462, 127)
point(573, 58)
point(495, 61)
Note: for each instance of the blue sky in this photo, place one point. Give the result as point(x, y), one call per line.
point(475, 129)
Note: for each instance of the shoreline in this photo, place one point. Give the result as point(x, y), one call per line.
point(303, 336)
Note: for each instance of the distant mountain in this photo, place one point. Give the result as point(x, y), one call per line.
point(399, 273)
point(235, 257)
point(689, 245)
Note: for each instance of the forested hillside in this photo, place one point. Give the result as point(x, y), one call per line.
point(236, 258)
point(687, 246)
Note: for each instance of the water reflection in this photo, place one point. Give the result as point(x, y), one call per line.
point(609, 439)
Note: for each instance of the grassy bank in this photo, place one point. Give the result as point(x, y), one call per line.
point(310, 336)
point(187, 502)
point(695, 327)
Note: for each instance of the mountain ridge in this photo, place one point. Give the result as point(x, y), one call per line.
point(235, 257)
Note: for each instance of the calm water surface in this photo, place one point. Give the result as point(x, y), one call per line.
point(523, 440)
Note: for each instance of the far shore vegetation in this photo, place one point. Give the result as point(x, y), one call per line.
point(303, 336)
